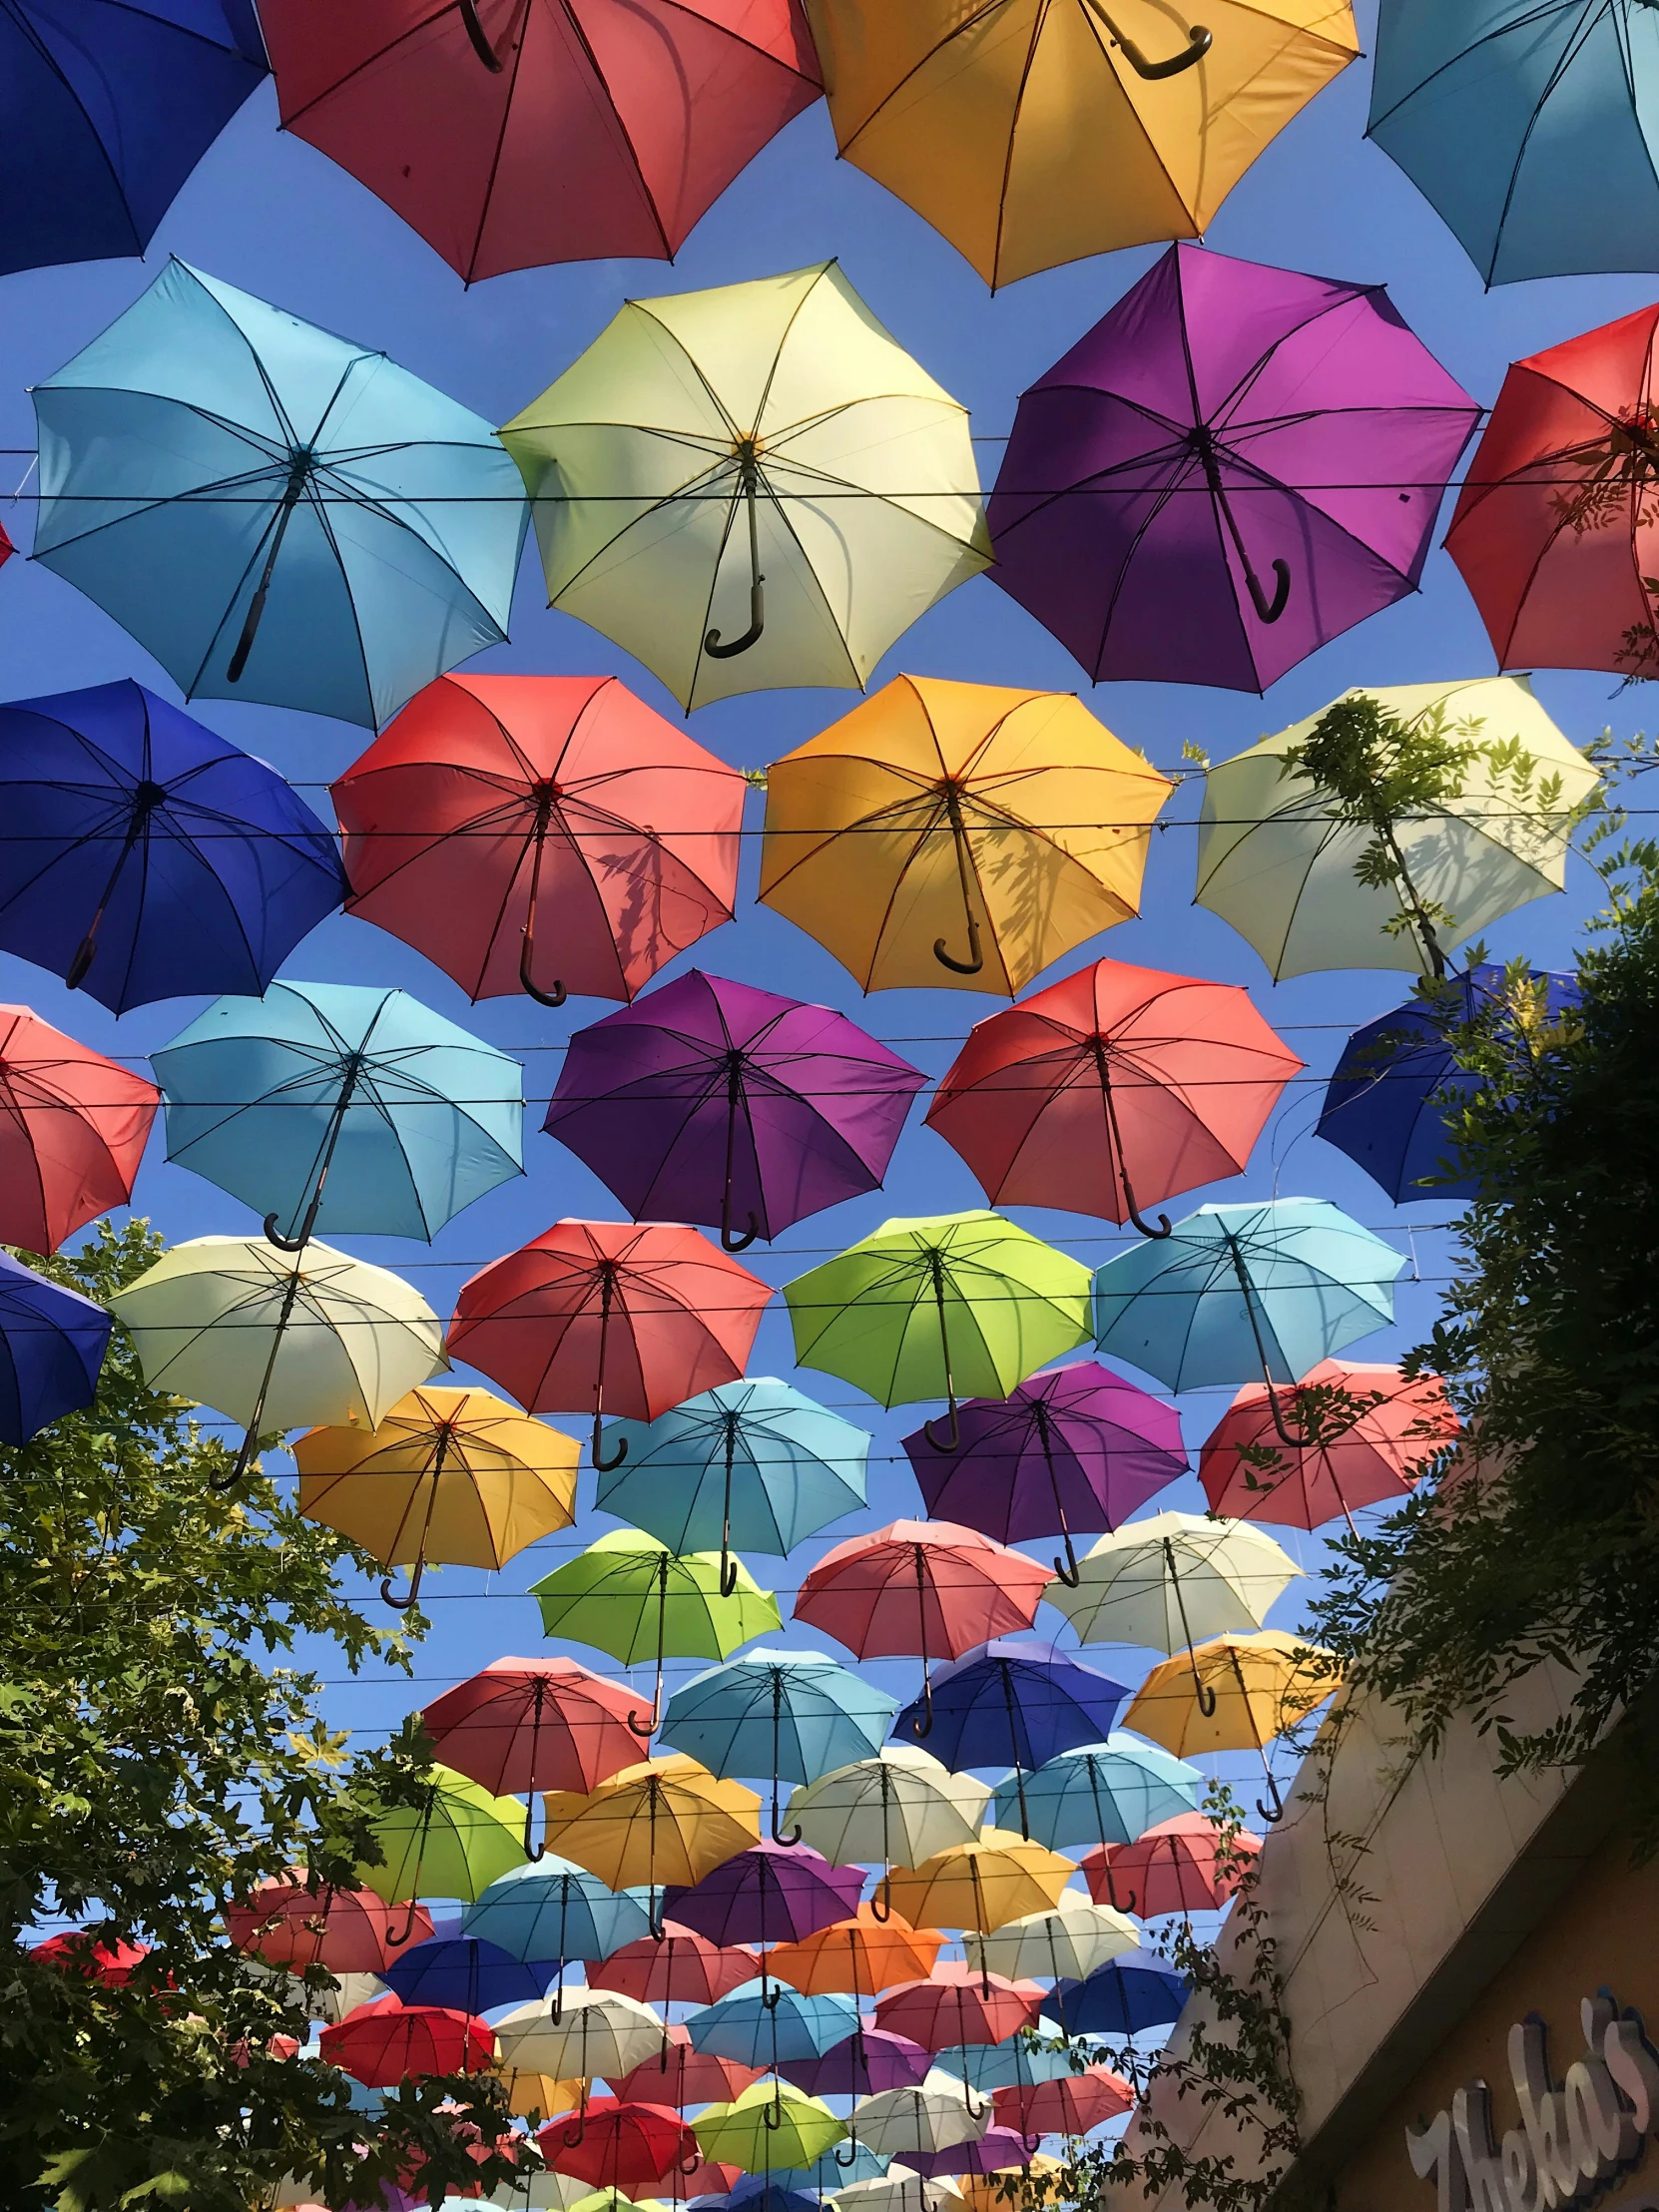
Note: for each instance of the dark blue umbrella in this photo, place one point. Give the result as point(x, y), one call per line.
point(764, 2193)
point(105, 106)
point(1012, 1703)
point(144, 857)
point(466, 1973)
point(1386, 1106)
point(52, 1345)
point(1122, 1998)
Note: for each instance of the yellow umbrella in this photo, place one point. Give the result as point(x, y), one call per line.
point(1041, 2180)
point(1259, 1685)
point(958, 835)
point(982, 1885)
point(664, 1820)
point(454, 1475)
point(530, 2093)
point(1036, 132)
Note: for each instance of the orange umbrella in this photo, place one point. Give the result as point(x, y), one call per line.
point(860, 1955)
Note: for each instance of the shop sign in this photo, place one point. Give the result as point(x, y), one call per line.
point(1576, 2136)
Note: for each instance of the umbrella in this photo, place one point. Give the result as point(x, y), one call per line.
point(144, 857)
point(72, 1128)
point(862, 1954)
point(761, 2024)
point(1103, 1793)
point(957, 835)
point(109, 108)
point(1124, 1999)
point(770, 1893)
point(715, 1102)
point(834, 2170)
point(52, 1347)
point(1398, 1087)
point(680, 2075)
point(927, 1307)
point(631, 1596)
point(995, 1878)
point(452, 1843)
point(534, 2097)
point(594, 2031)
point(1031, 136)
point(290, 1922)
point(537, 1724)
point(73, 1952)
point(1177, 1867)
point(1236, 464)
point(957, 2005)
point(932, 2115)
point(274, 513)
point(466, 1972)
point(592, 1312)
point(770, 2129)
point(618, 2142)
point(998, 2151)
point(903, 2190)
point(553, 1910)
point(1070, 2105)
point(750, 1464)
point(783, 1713)
point(267, 1096)
point(678, 1967)
point(1259, 1686)
point(1528, 130)
point(1371, 1433)
point(1076, 1447)
point(868, 2061)
point(1071, 1939)
point(493, 798)
point(650, 131)
point(664, 1820)
point(1278, 864)
point(388, 2042)
point(1145, 1083)
point(455, 1475)
point(784, 493)
point(990, 2066)
point(762, 2193)
point(903, 1804)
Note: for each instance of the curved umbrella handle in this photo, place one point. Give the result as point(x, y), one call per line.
point(1067, 1569)
point(689, 2167)
point(852, 2158)
point(776, 2107)
point(748, 471)
point(492, 62)
point(397, 1943)
point(645, 1726)
point(729, 1568)
point(1277, 1813)
point(219, 1484)
point(526, 955)
point(752, 636)
point(975, 960)
point(1165, 1227)
point(604, 1465)
point(1199, 43)
point(408, 1603)
point(290, 1243)
point(729, 1242)
point(953, 1436)
point(778, 1837)
point(1270, 610)
point(880, 1900)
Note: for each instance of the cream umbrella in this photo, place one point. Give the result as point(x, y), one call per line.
point(900, 1807)
point(751, 488)
point(1067, 1941)
point(1173, 1578)
point(898, 2190)
point(932, 2116)
point(595, 2031)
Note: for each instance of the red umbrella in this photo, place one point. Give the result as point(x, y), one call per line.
point(7, 549)
point(525, 1725)
point(708, 2178)
point(1174, 1868)
point(1069, 2107)
point(73, 1126)
point(1374, 1433)
point(1112, 1090)
point(618, 2144)
point(682, 1969)
point(1556, 530)
point(290, 1923)
point(380, 2045)
point(75, 1952)
point(492, 798)
point(683, 2075)
point(511, 133)
point(957, 2005)
point(623, 1318)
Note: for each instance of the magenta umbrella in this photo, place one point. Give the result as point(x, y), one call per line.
point(1236, 464)
point(861, 2065)
point(1077, 1448)
point(709, 1101)
point(768, 1894)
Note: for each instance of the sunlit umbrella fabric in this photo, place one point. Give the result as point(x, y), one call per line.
point(987, 2066)
point(957, 2005)
point(664, 1820)
point(904, 1804)
point(1372, 1433)
point(594, 2033)
point(982, 1885)
point(903, 2190)
point(751, 2028)
point(73, 1126)
point(799, 2131)
point(1105, 1793)
point(619, 2142)
point(868, 2061)
point(924, 1588)
point(679, 1966)
point(1181, 1865)
point(1072, 1939)
point(932, 2115)
point(1071, 2105)
point(1016, 1701)
point(554, 1911)
point(690, 2077)
point(52, 1347)
point(291, 1923)
point(998, 2151)
point(379, 2045)
point(465, 1973)
point(770, 1893)
point(1263, 1684)
point(860, 1955)
point(1131, 1994)
point(627, 1593)
point(452, 1843)
point(1172, 1577)
point(790, 1714)
point(535, 1724)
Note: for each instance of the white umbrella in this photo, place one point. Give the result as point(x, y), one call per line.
point(1068, 1942)
point(898, 2190)
point(932, 2116)
point(1173, 1579)
point(595, 2032)
point(897, 1807)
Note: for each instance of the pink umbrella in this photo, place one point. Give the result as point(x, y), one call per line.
point(535, 1724)
point(959, 2004)
point(1174, 1868)
point(1070, 2105)
point(1373, 1434)
point(291, 1923)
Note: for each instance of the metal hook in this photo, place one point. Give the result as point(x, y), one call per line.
point(480, 39)
point(749, 472)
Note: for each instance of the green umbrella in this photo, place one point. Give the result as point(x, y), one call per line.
point(630, 1596)
point(453, 1844)
point(949, 1305)
point(770, 2129)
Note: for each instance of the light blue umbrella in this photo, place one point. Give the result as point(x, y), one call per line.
point(340, 1106)
point(275, 513)
point(554, 1911)
point(761, 2022)
point(1530, 125)
point(1013, 2065)
point(829, 2174)
point(1106, 1792)
point(751, 1465)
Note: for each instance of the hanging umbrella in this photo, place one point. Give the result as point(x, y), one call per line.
point(651, 129)
point(290, 1922)
point(594, 2033)
point(1372, 1433)
point(1397, 1085)
point(834, 2171)
point(1236, 464)
point(52, 1347)
point(109, 108)
point(664, 1820)
point(494, 798)
point(1069, 2107)
point(770, 2129)
point(275, 514)
point(680, 2075)
point(715, 1102)
point(607, 1316)
point(73, 1952)
point(1030, 135)
point(1259, 1686)
point(750, 1464)
point(861, 1955)
point(1177, 1867)
point(618, 2144)
point(465, 1973)
point(761, 2193)
point(990, 2066)
point(1104, 1793)
point(679, 1966)
point(1275, 862)
point(781, 463)
point(932, 2115)
point(72, 1128)
point(534, 2097)
point(632, 1598)
point(267, 1097)
point(453, 1475)
point(388, 2042)
point(1124, 1999)
point(1144, 1083)
point(144, 857)
point(957, 835)
point(868, 2061)
point(770, 1893)
point(903, 2190)
point(957, 2005)
point(550, 1912)
point(903, 1804)
point(1071, 1939)
point(996, 1878)
point(790, 1714)
point(452, 1843)
point(761, 2024)
point(927, 1307)
point(1074, 1449)
point(998, 2151)
point(524, 1725)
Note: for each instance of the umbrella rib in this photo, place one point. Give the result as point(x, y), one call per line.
point(785, 335)
point(968, 23)
point(1565, 62)
point(1039, 23)
point(138, 510)
point(1539, 14)
point(368, 61)
point(22, 24)
point(728, 419)
point(487, 197)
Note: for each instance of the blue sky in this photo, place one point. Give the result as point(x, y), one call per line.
point(266, 213)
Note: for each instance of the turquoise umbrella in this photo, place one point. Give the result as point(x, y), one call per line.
point(830, 2174)
point(555, 1910)
point(274, 513)
point(1106, 1792)
point(340, 1106)
point(763, 2022)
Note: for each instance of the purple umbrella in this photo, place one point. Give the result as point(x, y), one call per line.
point(1236, 464)
point(998, 2149)
point(768, 1894)
point(713, 1102)
point(1075, 1448)
point(862, 2067)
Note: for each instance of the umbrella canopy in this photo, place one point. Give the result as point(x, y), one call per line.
point(715, 1102)
point(109, 108)
point(1178, 1867)
point(291, 1923)
point(73, 1952)
point(862, 1954)
point(798, 2134)
point(1164, 1580)
point(988, 2066)
point(537, 1724)
point(771, 1892)
point(902, 1805)
point(493, 800)
point(465, 1973)
point(1070, 2105)
point(554, 1911)
point(1029, 135)
point(664, 1820)
point(1103, 1793)
point(594, 2031)
point(957, 2005)
point(929, 1308)
point(1274, 862)
point(618, 2142)
point(982, 1885)
point(534, 2097)
point(1071, 1939)
point(762, 2193)
point(1372, 1431)
point(452, 127)
point(454, 1843)
point(932, 2115)
point(867, 2062)
point(1236, 464)
point(1398, 1086)
point(679, 1966)
point(269, 1097)
point(761, 2025)
point(785, 492)
point(998, 2151)
point(52, 1347)
point(73, 1126)
point(1124, 1999)
point(903, 2190)
point(144, 857)
point(274, 513)
point(957, 835)
point(680, 2075)
point(1238, 1293)
point(388, 2042)
point(790, 1714)
point(1261, 1685)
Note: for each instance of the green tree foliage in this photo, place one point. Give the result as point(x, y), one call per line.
point(161, 1753)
